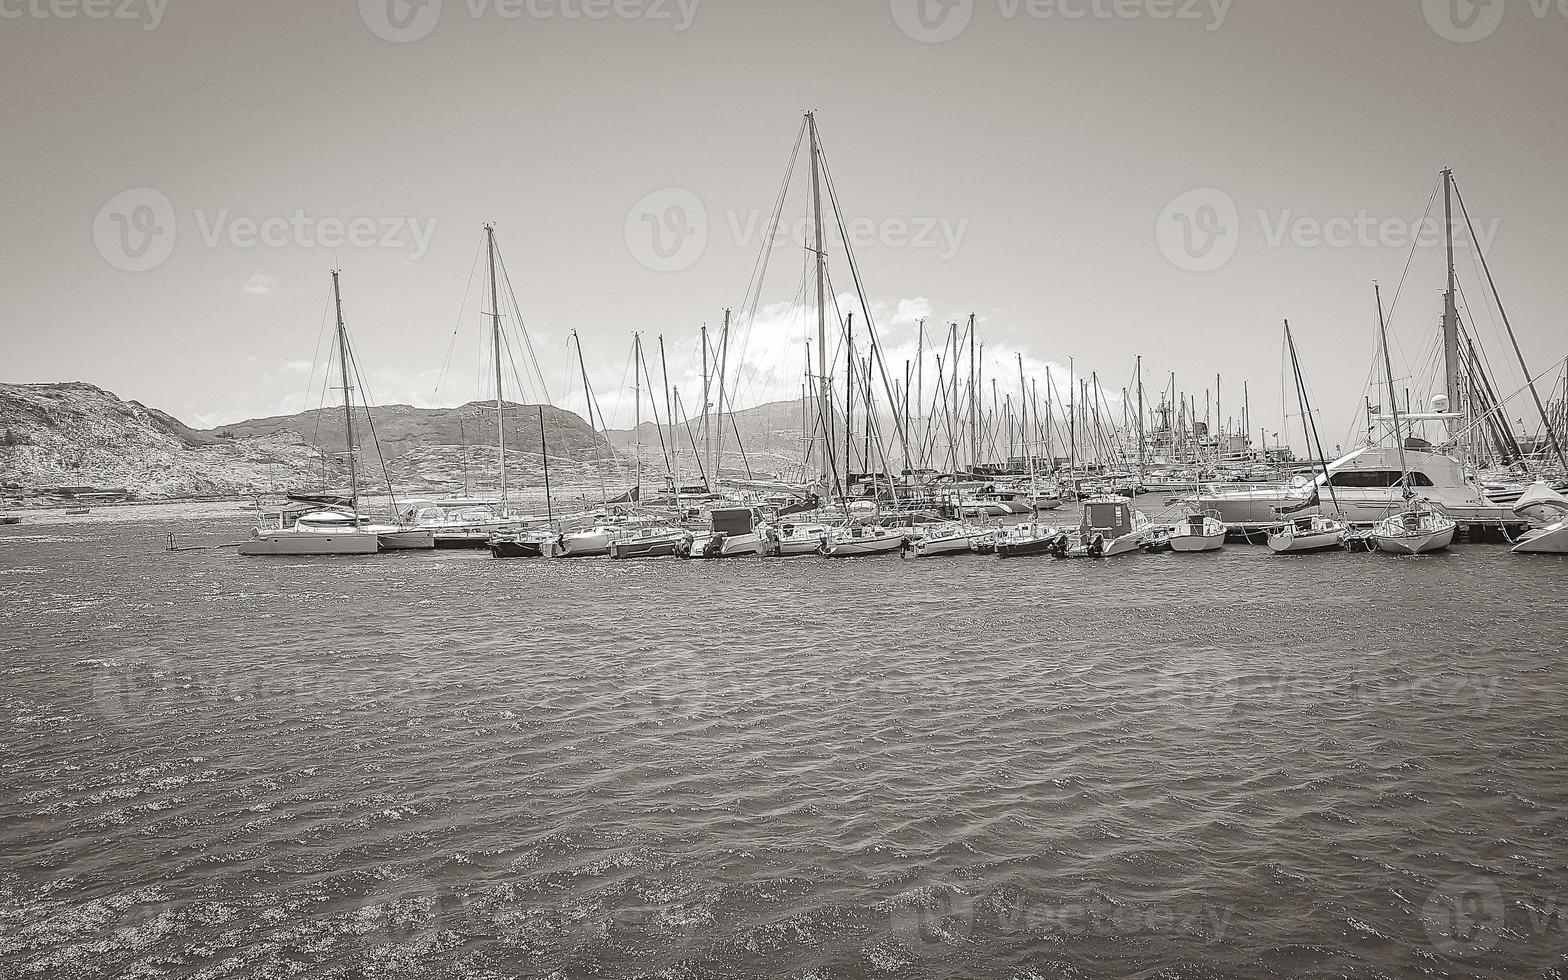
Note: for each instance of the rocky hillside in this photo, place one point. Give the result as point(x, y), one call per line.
point(71, 437)
point(770, 434)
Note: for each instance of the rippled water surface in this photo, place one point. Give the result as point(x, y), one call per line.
point(1224, 765)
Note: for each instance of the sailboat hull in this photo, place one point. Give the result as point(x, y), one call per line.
point(311, 543)
point(408, 540)
point(1197, 542)
point(1415, 544)
point(1288, 544)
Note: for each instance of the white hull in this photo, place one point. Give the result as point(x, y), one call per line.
point(414, 539)
point(872, 546)
point(1415, 544)
point(1122, 545)
point(1197, 542)
point(731, 546)
point(287, 542)
point(584, 544)
point(1551, 540)
point(1282, 544)
point(931, 547)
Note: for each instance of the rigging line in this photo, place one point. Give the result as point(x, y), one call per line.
point(759, 270)
point(1414, 244)
point(370, 419)
point(310, 382)
point(452, 344)
point(522, 327)
point(860, 289)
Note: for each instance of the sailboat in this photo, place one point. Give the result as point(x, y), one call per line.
point(535, 542)
point(1418, 529)
point(1202, 531)
point(948, 538)
point(327, 532)
point(856, 538)
point(1316, 532)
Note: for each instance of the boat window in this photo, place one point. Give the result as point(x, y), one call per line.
point(1378, 479)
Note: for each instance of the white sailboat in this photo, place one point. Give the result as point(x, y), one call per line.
point(1316, 532)
point(327, 532)
point(792, 539)
point(856, 539)
point(947, 538)
point(1419, 528)
point(1197, 532)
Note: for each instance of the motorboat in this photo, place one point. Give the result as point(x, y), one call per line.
point(1314, 533)
point(789, 538)
point(589, 542)
point(1368, 485)
point(1544, 505)
point(1198, 532)
point(460, 523)
point(951, 538)
point(853, 540)
point(1110, 527)
point(1417, 530)
point(650, 542)
point(1030, 538)
point(733, 532)
point(538, 543)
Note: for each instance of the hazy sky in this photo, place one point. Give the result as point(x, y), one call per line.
point(180, 179)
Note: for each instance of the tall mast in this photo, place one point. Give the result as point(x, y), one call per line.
point(849, 401)
point(707, 428)
point(1139, 382)
point(824, 391)
point(1309, 423)
point(1072, 419)
point(669, 415)
point(1450, 308)
point(974, 393)
point(495, 339)
point(637, 413)
point(920, 385)
point(724, 360)
point(544, 456)
point(1023, 387)
point(348, 399)
point(1393, 400)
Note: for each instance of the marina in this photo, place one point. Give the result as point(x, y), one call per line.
point(906, 490)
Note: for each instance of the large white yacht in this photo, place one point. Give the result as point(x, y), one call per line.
point(1368, 487)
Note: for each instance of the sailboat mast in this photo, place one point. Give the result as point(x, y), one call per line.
point(495, 339)
point(1024, 388)
point(824, 389)
point(724, 361)
point(1393, 400)
point(1139, 381)
point(707, 431)
point(637, 413)
point(974, 393)
point(1450, 307)
point(1309, 424)
point(544, 457)
point(348, 399)
point(669, 415)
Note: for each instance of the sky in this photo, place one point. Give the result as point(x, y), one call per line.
point(1093, 179)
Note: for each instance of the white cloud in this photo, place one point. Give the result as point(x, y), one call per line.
point(297, 367)
point(260, 284)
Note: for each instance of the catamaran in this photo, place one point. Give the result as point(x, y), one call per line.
point(326, 532)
